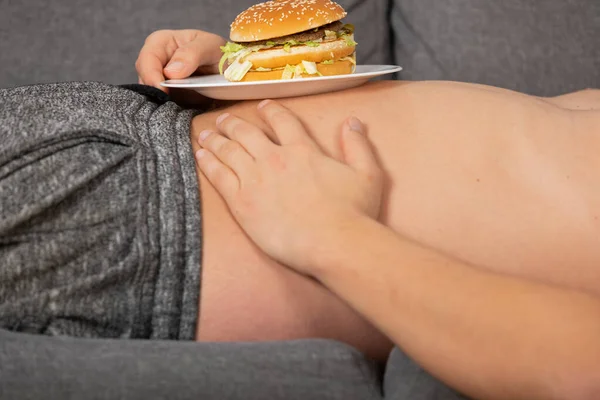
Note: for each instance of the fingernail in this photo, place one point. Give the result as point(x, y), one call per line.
point(204, 135)
point(200, 153)
point(175, 66)
point(222, 118)
point(355, 124)
point(263, 103)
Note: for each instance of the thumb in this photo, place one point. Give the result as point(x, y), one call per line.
point(200, 52)
point(184, 62)
point(357, 150)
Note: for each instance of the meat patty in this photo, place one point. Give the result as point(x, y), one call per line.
point(306, 36)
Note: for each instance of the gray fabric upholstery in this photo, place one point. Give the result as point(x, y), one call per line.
point(541, 47)
point(51, 368)
point(63, 40)
point(405, 380)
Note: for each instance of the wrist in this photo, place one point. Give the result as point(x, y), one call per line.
point(335, 242)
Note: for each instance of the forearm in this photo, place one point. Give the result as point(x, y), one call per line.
point(490, 336)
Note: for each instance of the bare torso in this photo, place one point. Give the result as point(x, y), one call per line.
point(502, 180)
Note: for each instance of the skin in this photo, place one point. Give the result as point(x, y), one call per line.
point(504, 345)
point(168, 54)
point(494, 181)
point(447, 186)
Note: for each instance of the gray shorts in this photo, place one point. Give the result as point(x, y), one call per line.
point(100, 232)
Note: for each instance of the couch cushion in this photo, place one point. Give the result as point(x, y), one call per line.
point(42, 367)
point(404, 380)
point(543, 47)
point(62, 40)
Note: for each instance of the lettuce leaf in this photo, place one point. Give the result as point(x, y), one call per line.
point(351, 58)
point(349, 40)
point(228, 50)
point(288, 72)
point(222, 62)
point(310, 43)
point(237, 70)
point(287, 45)
point(330, 35)
point(231, 47)
point(236, 52)
point(310, 67)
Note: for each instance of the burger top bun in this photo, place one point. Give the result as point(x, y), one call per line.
point(277, 18)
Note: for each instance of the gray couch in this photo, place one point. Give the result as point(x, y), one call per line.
point(543, 47)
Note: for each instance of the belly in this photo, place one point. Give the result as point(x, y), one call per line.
point(504, 181)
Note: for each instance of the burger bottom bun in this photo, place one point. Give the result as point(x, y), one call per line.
point(342, 67)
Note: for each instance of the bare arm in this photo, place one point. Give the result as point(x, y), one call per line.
point(489, 336)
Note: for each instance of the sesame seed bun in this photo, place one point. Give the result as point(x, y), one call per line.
point(283, 17)
point(341, 67)
point(278, 57)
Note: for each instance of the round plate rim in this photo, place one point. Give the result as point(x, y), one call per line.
point(181, 83)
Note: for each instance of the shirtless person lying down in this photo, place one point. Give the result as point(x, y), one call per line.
point(110, 230)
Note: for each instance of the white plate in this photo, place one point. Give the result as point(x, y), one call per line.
point(217, 87)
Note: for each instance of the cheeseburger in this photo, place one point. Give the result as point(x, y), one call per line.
point(289, 39)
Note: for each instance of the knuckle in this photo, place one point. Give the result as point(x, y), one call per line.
point(275, 161)
point(219, 176)
point(190, 35)
point(233, 126)
point(304, 153)
point(305, 150)
point(230, 149)
point(159, 34)
point(375, 176)
point(191, 52)
point(247, 203)
point(209, 142)
point(278, 115)
point(219, 173)
point(237, 129)
point(184, 51)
